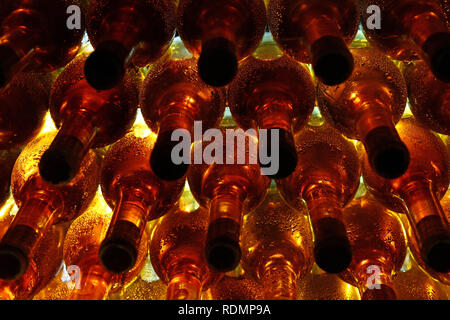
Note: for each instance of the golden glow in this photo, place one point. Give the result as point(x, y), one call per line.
point(49, 125)
point(187, 202)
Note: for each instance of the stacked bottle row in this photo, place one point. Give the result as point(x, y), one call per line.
point(275, 234)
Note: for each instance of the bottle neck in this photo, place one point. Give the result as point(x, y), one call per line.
point(314, 28)
point(31, 222)
point(94, 286)
point(185, 282)
point(373, 115)
point(425, 213)
point(322, 203)
point(130, 216)
point(180, 110)
point(279, 279)
point(228, 203)
point(274, 112)
point(123, 27)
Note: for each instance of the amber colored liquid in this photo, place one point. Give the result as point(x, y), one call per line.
point(326, 177)
point(373, 96)
point(414, 245)
point(44, 263)
point(176, 252)
point(428, 97)
point(144, 290)
point(422, 185)
point(277, 246)
point(37, 37)
point(228, 190)
point(274, 92)
point(81, 247)
point(143, 28)
point(130, 186)
point(414, 284)
point(405, 26)
point(24, 103)
point(42, 205)
point(173, 97)
point(378, 240)
point(237, 288)
point(242, 22)
point(297, 24)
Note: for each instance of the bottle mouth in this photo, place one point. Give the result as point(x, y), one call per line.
point(332, 61)
point(104, 68)
point(437, 253)
point(161, 160)
point(218, 64)
point(387, 154)
point(437, 47)
point(223, 254)
point(332, 249)
point(287, 154)
point(55, 167)
point(13, 262)
point(117, 255)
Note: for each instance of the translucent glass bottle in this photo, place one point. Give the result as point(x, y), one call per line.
point(275, 93)
point(411, 30)
point(42, 205)
point(418, 191)
point(136, 194)
point(277, 246)
point(86, 118)
point(326, 178)
point(126, 33)
point(367, 106)
point(317, 32)
point(220, 33)
point(379, 248)
point(176, 252)
point(38, 35)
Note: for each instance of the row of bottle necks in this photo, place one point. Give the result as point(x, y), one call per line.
point(269, 91)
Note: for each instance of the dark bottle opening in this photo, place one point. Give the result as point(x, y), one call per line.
point(118, 252)
point(104, 68)
point(161, 158)
point(435, 243)
point(387, 154)
point(13, 255)
point(332, 249)
point(8, 58)
point(437, 47)
point(61, 162)
point(286, 150)
point(332, 61)
point(384, 292)
point(222, 250)
point(13, 262)
point(218, 64)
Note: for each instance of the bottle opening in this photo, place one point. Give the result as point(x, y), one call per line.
point(287, 153)
point(117, 255)
point(388, 155)
point(7, 59)
point(13, 262)
point(104, 69)
point(332, 249)
point(218, 64)
point(437, 254)
point(223, 254)
point(161, 158)
point(332, 61)
point(437, 47)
